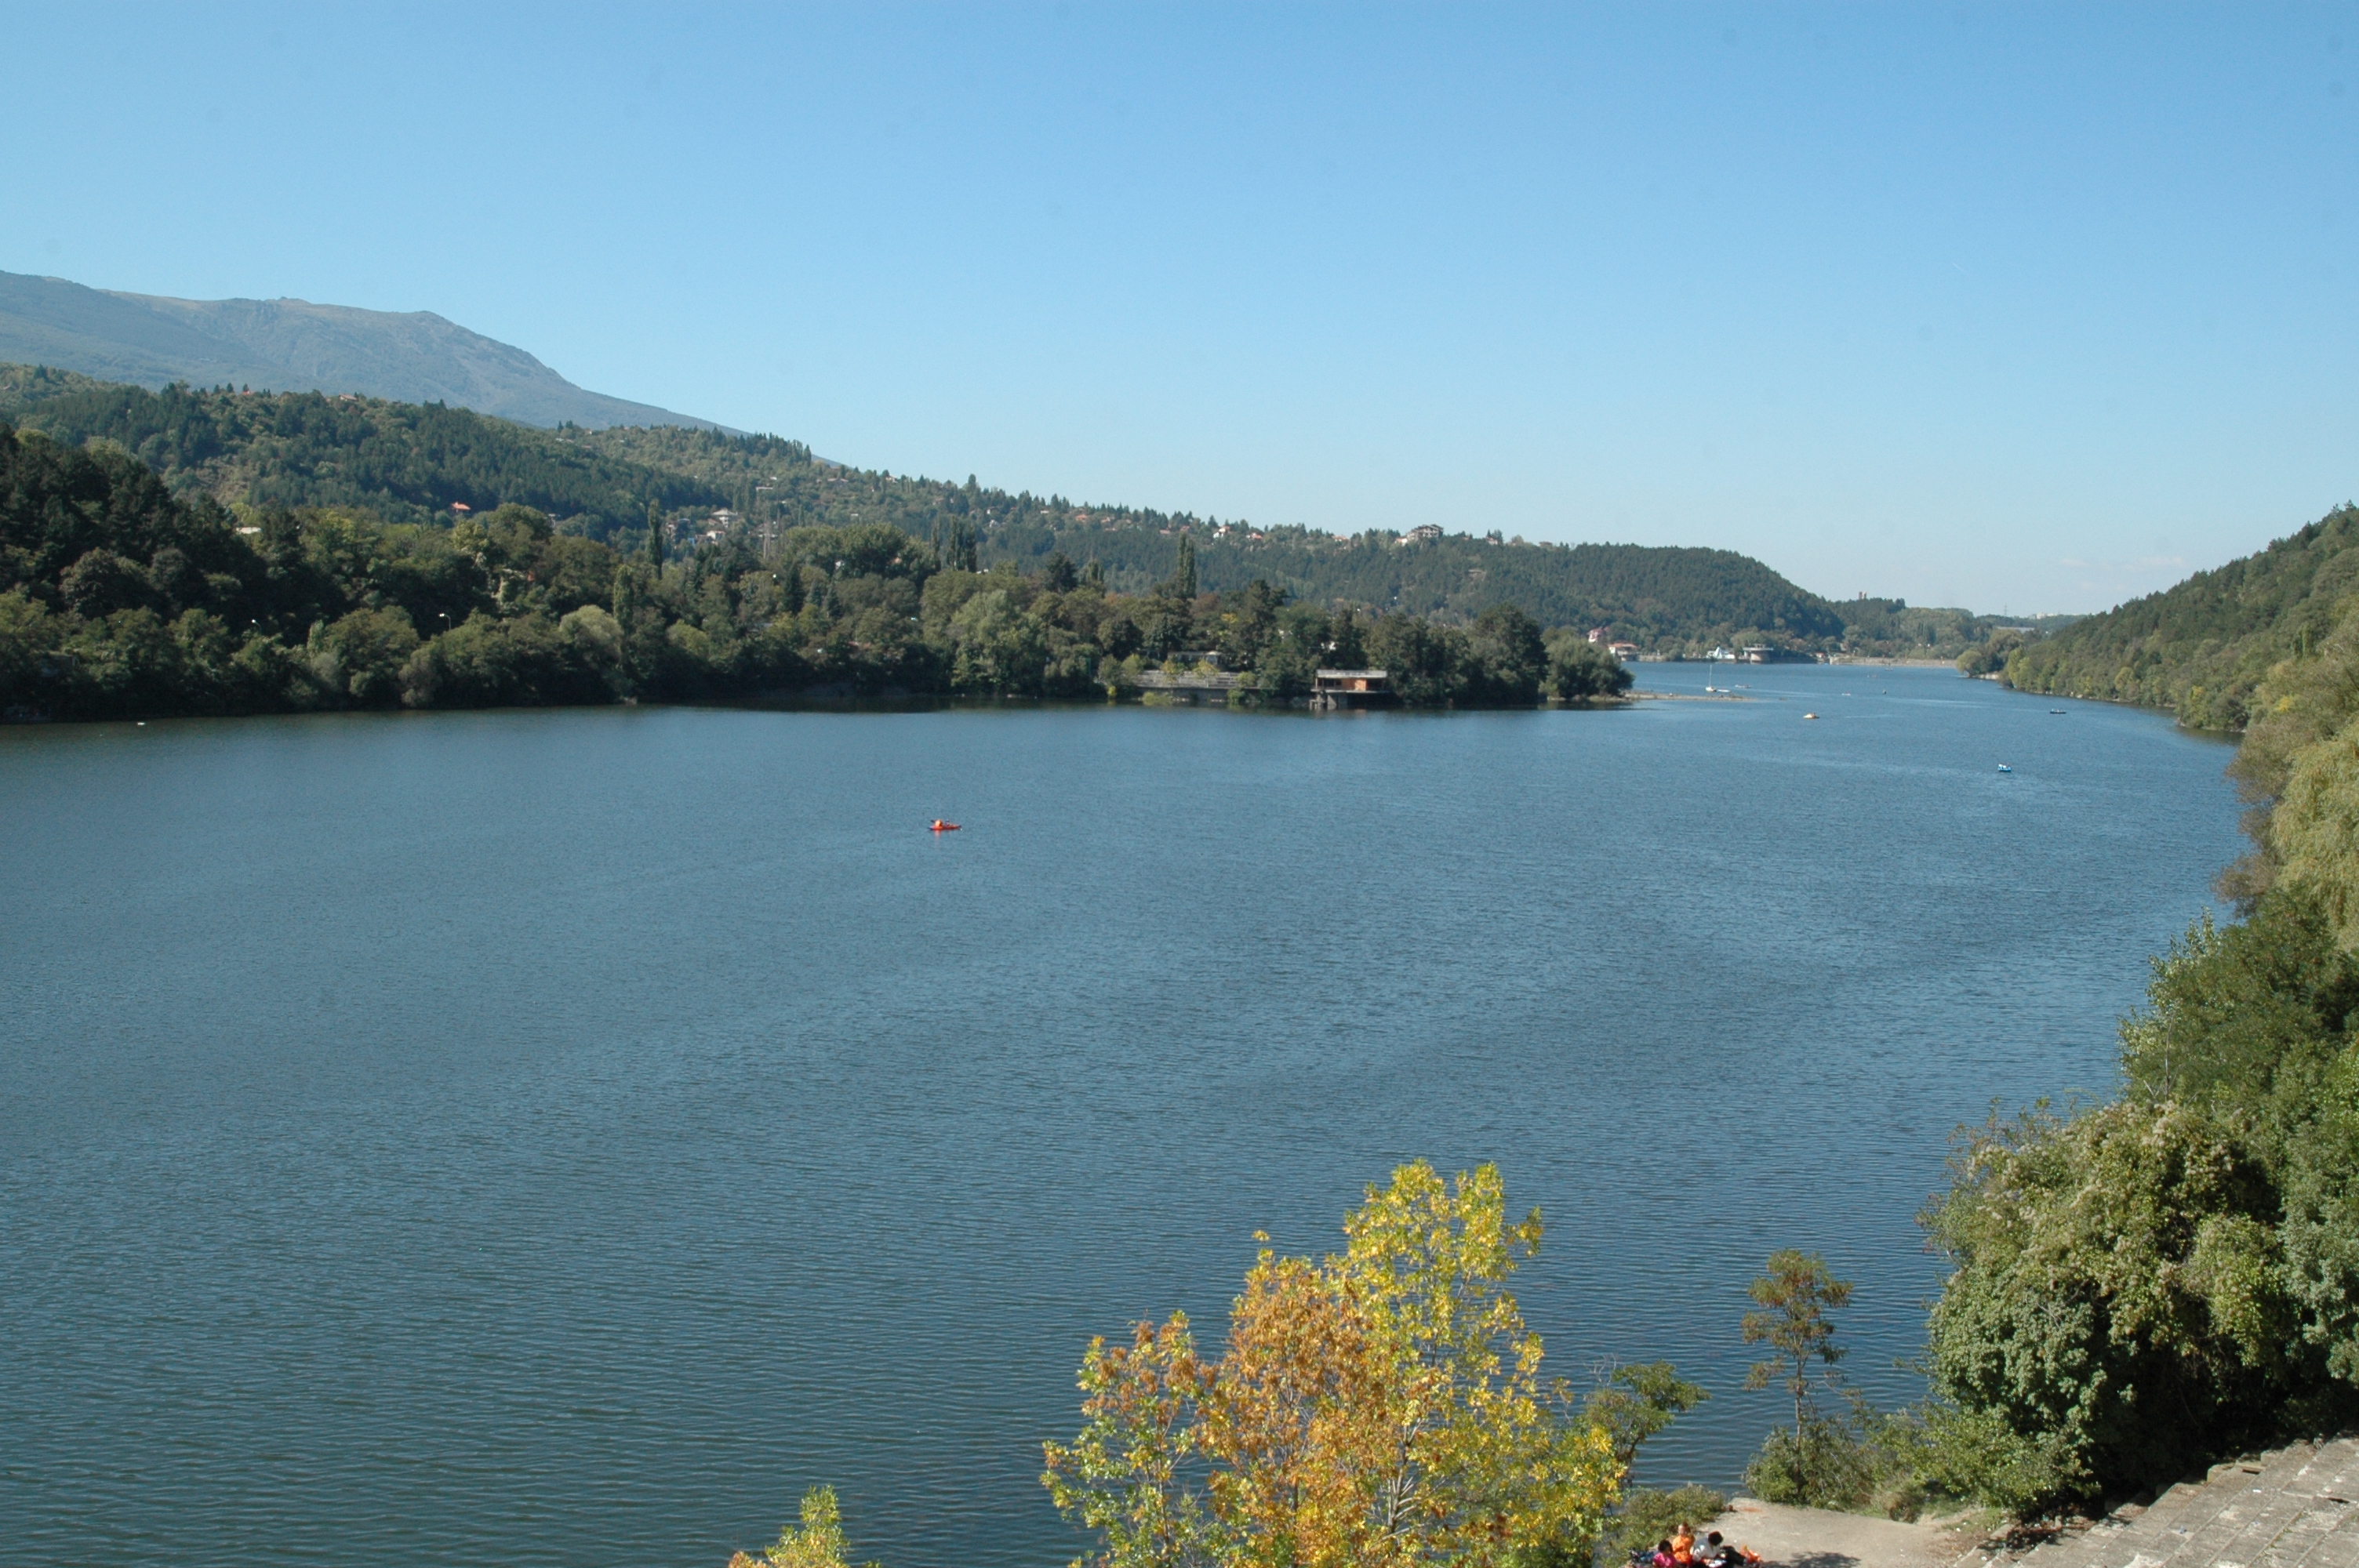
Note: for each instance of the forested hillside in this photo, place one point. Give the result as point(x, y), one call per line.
point(2202, 648)
point(119, 599)
point(1667, 599)
point(408, 463)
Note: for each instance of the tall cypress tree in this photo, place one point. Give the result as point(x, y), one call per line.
point(655, 541)
point(1184, 580)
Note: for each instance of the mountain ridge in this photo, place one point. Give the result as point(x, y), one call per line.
point(296, 345)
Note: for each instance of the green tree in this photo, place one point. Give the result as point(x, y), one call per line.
point(1798, 1297)
point(1634, 1403)
point(1509, 656)
point(360, 657)
point(818, 1544)
point(1579, 670)
point(2118, 1309)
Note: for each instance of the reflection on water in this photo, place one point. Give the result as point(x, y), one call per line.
point(455, 1138)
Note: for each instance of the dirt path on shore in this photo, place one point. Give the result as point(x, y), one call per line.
point(1814, 1538)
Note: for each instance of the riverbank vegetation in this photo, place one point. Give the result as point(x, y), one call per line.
point(118, 598)
point(2146, 1285)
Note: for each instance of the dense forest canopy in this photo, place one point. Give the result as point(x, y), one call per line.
point(405, 462)
point(409, 464)
point(2203, 648)
point(119, 597)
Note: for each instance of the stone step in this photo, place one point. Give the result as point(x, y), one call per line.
point(2297, 1507)
point(2173, 1507)
point(2211, 1543)
point(2297, 1543)
point(2338, 1469)
point(2164, 1533)
point(2338, 1546)
point(2271, 1513)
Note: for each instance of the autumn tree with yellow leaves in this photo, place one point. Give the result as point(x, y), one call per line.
point(1379, 1408)
point(818, 1543)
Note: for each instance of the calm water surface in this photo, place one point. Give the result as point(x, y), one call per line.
point(475, 1139)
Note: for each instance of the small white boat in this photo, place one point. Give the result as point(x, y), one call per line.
point(2005, 769)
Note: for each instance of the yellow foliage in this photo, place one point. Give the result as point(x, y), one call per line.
point(818, 1544)
point(1382, 1408)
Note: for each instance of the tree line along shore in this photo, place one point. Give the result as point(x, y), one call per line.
point(118, 598)
point(411, 463)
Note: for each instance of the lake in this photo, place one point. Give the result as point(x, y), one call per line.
point(474, 1139)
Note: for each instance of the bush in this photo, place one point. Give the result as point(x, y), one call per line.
point(1579, 669)
point(1824, 1464)
point(1940, 1451)
point(1648, 1514)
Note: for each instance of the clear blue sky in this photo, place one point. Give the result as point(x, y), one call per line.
point(2031, 307)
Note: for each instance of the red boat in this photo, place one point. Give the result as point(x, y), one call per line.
point(942, 827)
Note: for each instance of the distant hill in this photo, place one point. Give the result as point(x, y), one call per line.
point(2199, 649)
point(409, 463)
point(1668, 600)
point(405, 462)
point(293, 345)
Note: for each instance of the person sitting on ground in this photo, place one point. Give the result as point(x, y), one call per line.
point(1662, 1558)
point(1683, 1546)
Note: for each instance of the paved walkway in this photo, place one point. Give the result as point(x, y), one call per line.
point(2291, 1509)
